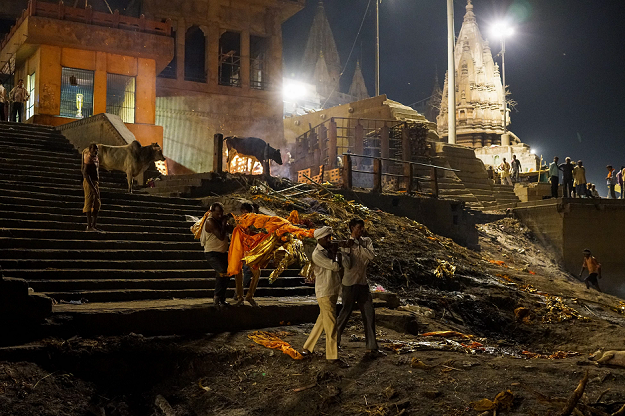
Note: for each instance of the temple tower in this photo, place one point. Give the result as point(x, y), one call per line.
point(479, 90)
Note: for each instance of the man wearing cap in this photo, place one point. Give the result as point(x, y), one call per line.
point(326, 265)
point(594, 270)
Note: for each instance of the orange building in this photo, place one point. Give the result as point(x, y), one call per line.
point(78, 62)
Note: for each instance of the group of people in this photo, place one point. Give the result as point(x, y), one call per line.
point(509, 173)
point(574, 184)
point(329, 259)
point(12, 104)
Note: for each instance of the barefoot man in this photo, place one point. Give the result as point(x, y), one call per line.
point(90, 184)
point(594, 270)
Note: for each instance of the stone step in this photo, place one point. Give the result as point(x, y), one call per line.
point(104, 244)
point(10, 150)
point(80, 226)
point(145, 294)
point(87, 264)
point(76, 218)
point(67, 197)
point(61, 179)
point(125, 274)
point(66, 285)
point(26, 138)
point(170, 191)
point(25, 126)
point(83, 235)
point(36, 206)
point(53, 145)
point(104, 254)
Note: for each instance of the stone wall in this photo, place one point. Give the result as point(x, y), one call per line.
point(569, 226)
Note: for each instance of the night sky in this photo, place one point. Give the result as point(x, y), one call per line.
point(564, 65)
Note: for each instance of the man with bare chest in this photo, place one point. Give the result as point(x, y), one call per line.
point(90, 184)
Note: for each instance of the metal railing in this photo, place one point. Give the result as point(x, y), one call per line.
point(408, 175)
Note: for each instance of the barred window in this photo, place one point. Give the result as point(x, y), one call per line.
point(259, 47)
point(230, 59)
point(30, 105)
point(120, 96)
point(76, 93)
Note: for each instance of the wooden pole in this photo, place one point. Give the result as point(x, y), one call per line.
point(347, 172)
point(377, 175)
point(218, 152)
point(409, 172)
point(434, 183)
point(332, 143)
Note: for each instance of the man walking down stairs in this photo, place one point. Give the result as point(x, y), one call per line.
point(91, 185)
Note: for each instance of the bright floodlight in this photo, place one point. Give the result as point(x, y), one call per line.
point(294, 90)
point(501, 30)
point(533, 151)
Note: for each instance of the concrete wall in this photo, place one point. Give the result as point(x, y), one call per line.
point(572, 225)
point(102, 128)
point(442, 216)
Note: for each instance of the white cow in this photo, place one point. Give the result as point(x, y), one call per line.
point(133, 159)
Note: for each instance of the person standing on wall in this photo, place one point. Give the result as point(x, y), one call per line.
point(611, 181)
point(554, 177)
point(3, 98)
point(358, 252)
point(567, 177)
point(515, 164)
point(18, 96)
point(326, 266)
point(579, 177)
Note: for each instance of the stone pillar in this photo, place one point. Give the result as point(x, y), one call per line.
point(505, 139)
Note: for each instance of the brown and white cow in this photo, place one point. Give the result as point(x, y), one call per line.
point(133, 159)
point(251, 147)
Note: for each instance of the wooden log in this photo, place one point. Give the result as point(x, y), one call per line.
point(347, 172)
point(434, 182)
point(332, 143)
point(575, 396)
point(218, 151)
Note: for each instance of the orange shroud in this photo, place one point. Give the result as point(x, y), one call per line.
point(243, 241)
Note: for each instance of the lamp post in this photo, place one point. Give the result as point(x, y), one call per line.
point(377, 47)
point(451, 75)
point(502, 30)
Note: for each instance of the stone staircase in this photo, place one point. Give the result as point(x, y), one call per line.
point(146, 251)
point(476, 189)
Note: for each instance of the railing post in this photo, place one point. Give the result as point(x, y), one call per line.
point(406, 153)
point(116, 18)
point(434, 182)
point(347, 172)
point(359, 138)
point(89, 14)
point(377, 175)
point(218, 152)
point(332, 143)
point(322, 140)
point(142, 23)
point(61, 10)
point(32, 6)
point(409, 173)
point(385, 144)
point(168, 27)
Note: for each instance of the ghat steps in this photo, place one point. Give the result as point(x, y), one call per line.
point(145, 253)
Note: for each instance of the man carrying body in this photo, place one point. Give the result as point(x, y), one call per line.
point(248, 278)
point(567, 177)
point(594, 270)
point(504, 172)
point(91, 185)
point(554, 177)
point(214, 239)
point(515, 164)
point(579, 177)
point(18, 96)
point(357, 253)
point(326, 265)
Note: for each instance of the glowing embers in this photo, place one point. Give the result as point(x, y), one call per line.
point(244, 164)
point(161, 166)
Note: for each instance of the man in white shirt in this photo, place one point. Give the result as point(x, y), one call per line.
point(326, 265)
point(18, 96)
point(357, 253)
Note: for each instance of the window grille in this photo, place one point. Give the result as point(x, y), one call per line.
point(120, 96)
point(258, 70)
point(30, 104)
point(76, 93)
point(230, 59)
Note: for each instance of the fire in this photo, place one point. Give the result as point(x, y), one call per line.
point(161, 166)
point(245, 164)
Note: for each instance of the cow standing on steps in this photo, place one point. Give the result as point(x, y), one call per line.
point(251, 147)
point(133, 159)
